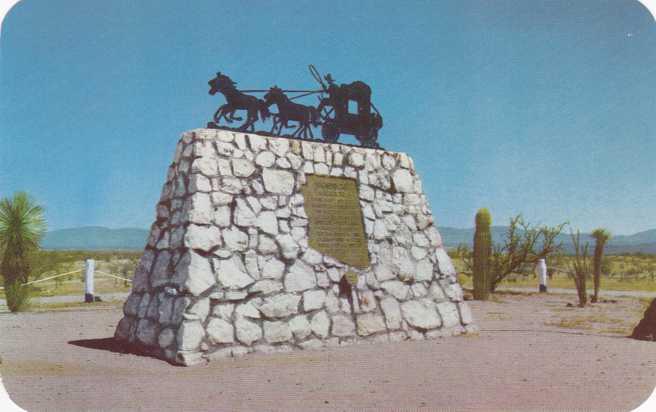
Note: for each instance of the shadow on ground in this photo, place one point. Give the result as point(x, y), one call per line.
point(114, 345)
point(108, 344)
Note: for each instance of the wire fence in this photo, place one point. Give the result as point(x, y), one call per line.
point(113, 276)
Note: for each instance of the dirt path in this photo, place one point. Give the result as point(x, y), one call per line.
point(522, 360)
point(602, 294)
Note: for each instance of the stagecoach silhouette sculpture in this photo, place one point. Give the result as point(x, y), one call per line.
point(342, 109)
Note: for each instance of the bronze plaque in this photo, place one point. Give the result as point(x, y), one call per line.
point(336, 229)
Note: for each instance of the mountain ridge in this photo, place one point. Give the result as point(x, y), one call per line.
point(103, 238)
point(640, 242)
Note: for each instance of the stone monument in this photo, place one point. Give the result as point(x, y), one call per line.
point(266, 244)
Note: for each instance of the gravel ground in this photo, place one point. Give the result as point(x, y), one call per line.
point(521, 360)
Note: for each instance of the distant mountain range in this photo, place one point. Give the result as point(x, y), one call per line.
point(102, 238)
point(644, 242)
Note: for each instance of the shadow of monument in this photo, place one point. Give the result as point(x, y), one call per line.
point(108, 344)
point(114, 345)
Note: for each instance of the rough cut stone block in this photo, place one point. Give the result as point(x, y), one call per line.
point(392, 311)
point(301, 277)
point(147, 332)
point(300, 327)
point(275, 332)
point(220, 331)
point(342, 325)
point(288, 246)
point(166, 338)
point(312, 344)
point(142, 273)
point(444, 262)
point(313, 299)
point(123, 328)
point(396, 288)
point(279, 306)
point(421, 315)
point(465, 313)
point(449, 313)
point(198, 310)
point(370, 323)
point(320, 324)
point(278, 181)
point(195, 273)
point(247, 331)
point(202, 237)
point(190, 335)
point(232, 273)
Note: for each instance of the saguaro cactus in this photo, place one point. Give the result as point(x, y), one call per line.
point(482, 251)
point(601, 236)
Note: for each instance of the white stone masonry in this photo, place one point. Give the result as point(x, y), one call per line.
point(227, 269)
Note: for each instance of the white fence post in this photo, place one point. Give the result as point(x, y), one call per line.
point(89, 266)
point(541, 271)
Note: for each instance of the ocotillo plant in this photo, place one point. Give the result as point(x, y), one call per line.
point(601, 237)
point(482, 251)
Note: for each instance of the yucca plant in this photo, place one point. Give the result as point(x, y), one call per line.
point(601, 236)
point(22, 227)
point(580, 265)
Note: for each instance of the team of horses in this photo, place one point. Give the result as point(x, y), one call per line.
point(258, 109)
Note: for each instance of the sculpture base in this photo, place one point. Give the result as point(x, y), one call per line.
point(247, 254)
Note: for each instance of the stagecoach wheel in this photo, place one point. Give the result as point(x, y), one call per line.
point(325, 113)
point(329, 132)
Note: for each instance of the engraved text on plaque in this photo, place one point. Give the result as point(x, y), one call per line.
point(336, 229)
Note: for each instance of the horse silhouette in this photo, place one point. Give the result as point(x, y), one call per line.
point(236, 100)
point(306, 116)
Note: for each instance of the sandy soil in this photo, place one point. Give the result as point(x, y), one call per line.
point(533, 352)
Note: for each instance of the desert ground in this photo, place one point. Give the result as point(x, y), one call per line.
point(533, 352)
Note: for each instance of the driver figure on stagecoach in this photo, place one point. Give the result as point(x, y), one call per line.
point(334, 97)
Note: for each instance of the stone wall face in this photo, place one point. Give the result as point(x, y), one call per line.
point(228, 270)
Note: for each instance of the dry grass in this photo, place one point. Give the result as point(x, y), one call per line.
point(604, 318)
point(58, 307)
point(497, 316)
point(623, 272)
point(571, 323)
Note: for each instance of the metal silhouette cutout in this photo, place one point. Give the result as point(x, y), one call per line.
point(342, 109)
point(236, 100)
point(337, 116)
point(306, 116)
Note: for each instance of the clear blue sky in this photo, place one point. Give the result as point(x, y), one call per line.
point(544, 108)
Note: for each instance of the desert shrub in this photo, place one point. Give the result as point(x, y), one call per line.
point(522, 246)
